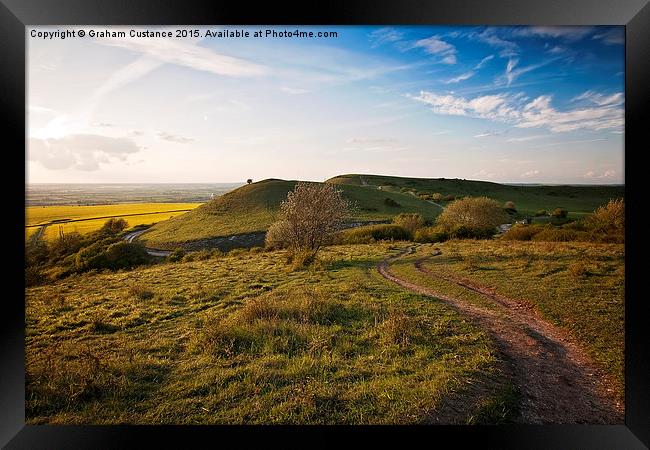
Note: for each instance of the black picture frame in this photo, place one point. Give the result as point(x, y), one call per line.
point(15, 15)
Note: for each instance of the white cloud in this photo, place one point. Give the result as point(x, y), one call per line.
point(571, 33)
point(533, 114)
point(294, 91)
point(461, 77)
point(385, 35)
point(438, 47)
point(615, 36)
point(490, 37)
point(556, 50)
point(483, 62)
point(530, 173)
point(79, 151)
point(526, 138)
point(41, 110)
point(174, 138)
point(511, 74)
point(187, 53)
point(600, 99)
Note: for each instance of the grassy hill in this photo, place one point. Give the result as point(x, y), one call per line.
point(254, 207)
point(578, 200)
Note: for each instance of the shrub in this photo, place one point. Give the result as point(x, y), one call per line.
point(437, 197)
point(608, 218)
point(125, 255)
point(431, 234)
point(372, 233)
point(521, 232)
point(176, 255)
point(558, 234)
point(560, 213)
point(466, 232)
point(409, 221)
point(114, 226)
point(472, 217)
point(510, 207)
point(541, 212)
point(392, 203)
point(449, 198)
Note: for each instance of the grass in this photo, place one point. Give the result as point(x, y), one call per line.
point(242, 338)
point(579, 200)
point(576, 285)
point(254, 207)
point(151, 212)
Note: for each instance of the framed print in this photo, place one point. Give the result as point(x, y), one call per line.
point(371, 220)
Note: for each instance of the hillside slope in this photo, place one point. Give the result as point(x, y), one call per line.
point(578, 200)
point(254, 207)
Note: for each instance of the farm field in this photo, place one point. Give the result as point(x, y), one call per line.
point(147, 213)
point(242, 339)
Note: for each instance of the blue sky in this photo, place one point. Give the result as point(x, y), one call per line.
point(505, 104)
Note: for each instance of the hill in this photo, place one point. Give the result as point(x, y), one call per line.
point(254, 207)
point(578, 200)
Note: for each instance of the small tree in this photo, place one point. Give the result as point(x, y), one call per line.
point(249, 181)
point(510, 207)
point(308, 217)
point(478, 214)
point(437, 197)
point(113, 226)
point(409, 221)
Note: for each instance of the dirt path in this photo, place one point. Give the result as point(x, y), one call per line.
point(558, 382)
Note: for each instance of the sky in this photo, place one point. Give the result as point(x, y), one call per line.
point(504, 104)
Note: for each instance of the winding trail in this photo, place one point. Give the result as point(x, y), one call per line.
point(557, 381)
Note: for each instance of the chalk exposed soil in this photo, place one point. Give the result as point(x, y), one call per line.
point(557, 381)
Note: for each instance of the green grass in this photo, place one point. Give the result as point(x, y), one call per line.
point(243, 339)
point(579, 200)
point(576, 285)
point(254, 207)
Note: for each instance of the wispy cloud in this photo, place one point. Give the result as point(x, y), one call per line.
point(530, 173)
point(600, 99)
point(294, 91)
point(384, 36)
point(187, 53)
point(437, 47)
point(615, 36)
point(511, 73)
point(526, 138)
point(483, 62)
point(174, 138)
point(533, 114)
point(570, 33)
point(491, 37)
point(461, 77)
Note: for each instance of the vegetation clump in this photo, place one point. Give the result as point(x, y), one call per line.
point(472, 217)
point(373, 233)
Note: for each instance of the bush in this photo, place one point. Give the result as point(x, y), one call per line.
point(466, 232)
point(409, 221)
point(176, 255)
point(392, 203)
point(558, 234)
point(521, 232)
point(560, 213)
point(372, 233)
point(472, 217)
point(431, 234)
point(449, 198)
point(608, 218)
point(510, 207)
point(437, 197)
point(113, 226)
point(541, 212)
point(125, 255)
point(277, 236)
